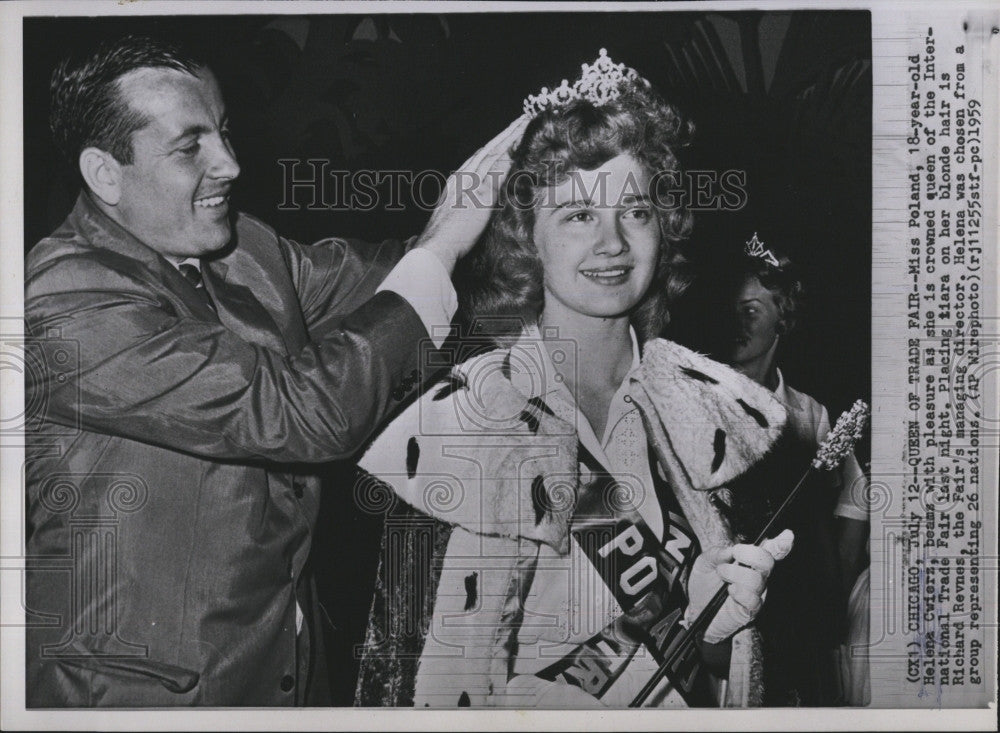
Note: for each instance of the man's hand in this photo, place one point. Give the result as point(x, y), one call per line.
point(469, 197)
point(746, 569)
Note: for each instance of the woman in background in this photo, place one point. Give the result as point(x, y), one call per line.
point(806, 628)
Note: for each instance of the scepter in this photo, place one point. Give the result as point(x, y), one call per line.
point(831, 452)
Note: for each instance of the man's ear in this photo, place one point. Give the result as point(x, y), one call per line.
point(102, 174)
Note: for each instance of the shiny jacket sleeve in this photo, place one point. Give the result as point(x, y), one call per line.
point(333, 277)
point(150, 373)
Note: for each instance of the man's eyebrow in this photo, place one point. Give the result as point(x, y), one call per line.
point(190, 131)
point(194, 130)
point(636, 198)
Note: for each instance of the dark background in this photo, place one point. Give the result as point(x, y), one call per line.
point(785, 97)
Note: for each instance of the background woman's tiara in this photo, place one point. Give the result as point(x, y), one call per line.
point(599, 83)
point(755, 248)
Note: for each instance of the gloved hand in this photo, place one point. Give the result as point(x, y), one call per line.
point(746, 569)
point(528, 691)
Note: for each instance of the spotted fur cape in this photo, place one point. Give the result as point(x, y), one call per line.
point(474, 477)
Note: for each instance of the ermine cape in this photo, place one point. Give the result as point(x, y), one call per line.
point(493, 476)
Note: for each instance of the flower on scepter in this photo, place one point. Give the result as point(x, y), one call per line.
point(842, 438)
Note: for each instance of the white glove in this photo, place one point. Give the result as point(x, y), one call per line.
point(746, 569)
point(530, 692)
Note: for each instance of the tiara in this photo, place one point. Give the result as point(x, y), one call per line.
point(599, 83)
point(755, 248)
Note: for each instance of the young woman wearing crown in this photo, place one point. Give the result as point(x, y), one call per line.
point(760, 299)
point(552, 531)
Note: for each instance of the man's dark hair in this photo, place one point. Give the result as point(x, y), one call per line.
point(87, 107)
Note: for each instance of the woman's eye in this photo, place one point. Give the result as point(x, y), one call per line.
point(581, 216)
point(640, 214)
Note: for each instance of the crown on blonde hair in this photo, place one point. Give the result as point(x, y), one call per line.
point(599, 83)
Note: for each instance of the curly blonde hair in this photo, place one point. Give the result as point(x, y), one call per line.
point(500, 283)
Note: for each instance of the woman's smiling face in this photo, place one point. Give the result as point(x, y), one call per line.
point(598, 239)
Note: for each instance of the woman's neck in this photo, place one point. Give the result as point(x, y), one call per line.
point(603, 346)
point(603, 351)
point(763, 370)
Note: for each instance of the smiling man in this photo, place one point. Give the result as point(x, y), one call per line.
point(175, 188)
point(214, 363)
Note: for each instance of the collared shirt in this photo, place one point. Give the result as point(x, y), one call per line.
point(623, 447)
point(193, 261)
point(422, 280)
point(812, 422)
point(569, 603)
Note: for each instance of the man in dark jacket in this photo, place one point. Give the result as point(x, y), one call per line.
point(193, 365)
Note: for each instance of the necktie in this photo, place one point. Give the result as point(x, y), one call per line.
point(193, 276)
